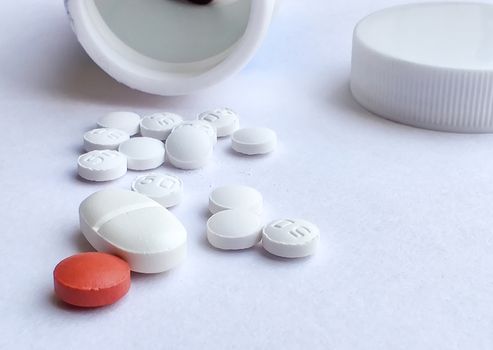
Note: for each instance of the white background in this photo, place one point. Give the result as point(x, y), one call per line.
point(406, 256)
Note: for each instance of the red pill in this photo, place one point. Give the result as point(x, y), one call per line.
point(91, 279)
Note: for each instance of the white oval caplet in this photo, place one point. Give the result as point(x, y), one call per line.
point(134, 227)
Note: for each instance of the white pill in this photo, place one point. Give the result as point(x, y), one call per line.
point(202, 125)
point(252, 141)
point(235, 197)
point(234, 229)
point(105, 165)
point(104, 138)
point(166, 189)
point(188, 148)
point(159, 125)
point(225, 120)
point(126, 121)
point(143, 153)
point(134, 227)
point(290, 238)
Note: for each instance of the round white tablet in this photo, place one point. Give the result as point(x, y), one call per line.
point(166, 189)
point(289, 238)
point(103, 165)
point(202, 125)
point(235, 197)
point(104, 138)
point(188, 148)
point(143, 153)
point(252, 141)
point(225, 120)
point(234, 229)
point(159, 125)
point(126, 121)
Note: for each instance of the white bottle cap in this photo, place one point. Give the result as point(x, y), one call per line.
point(170, 47)
point(429, 65)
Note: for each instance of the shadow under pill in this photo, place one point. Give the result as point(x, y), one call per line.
point(279, 259)
point(80, 242)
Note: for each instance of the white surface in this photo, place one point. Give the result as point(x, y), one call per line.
point(407, 251)
point(253, 141)
point(159, 125)
point(234, 229)
point(104, 138)
point(428, 65)
point(166, 189)
point(134, 227)
point(235, 197)
point(126, 121)
point(189, 147)
point(291, 238)
point(143, 153)
point(225, 120)
point(103, 165)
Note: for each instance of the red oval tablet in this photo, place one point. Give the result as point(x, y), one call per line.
point(91, 279)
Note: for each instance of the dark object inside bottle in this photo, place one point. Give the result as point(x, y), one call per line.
point(201, 2)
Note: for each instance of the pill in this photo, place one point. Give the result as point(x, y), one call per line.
point(188, 148)
point(235, 197)
point(143, 153)
point(104, 138)
point(135, 228)
point(126, 121)
point(252, 141)
point(103, 165)
point(91, 279)
point(225, 120)
point(159, 125)
point(202, 125)
point(165, 189)
point(289, 238)
point(234, 229)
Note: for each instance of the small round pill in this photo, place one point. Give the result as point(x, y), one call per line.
point(290, 238)
point(188, 148)
point(166, 189)
point(91, 279)
point(235, 197)
point(102, 165)
point(252, 141)
point(225, 120)
point(208, 128)
point(104, 138)
point(126, 121)
point(159, 125)
point(234, 229)
point(143, 153)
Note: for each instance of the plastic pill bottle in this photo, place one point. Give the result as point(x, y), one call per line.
point(170, 47)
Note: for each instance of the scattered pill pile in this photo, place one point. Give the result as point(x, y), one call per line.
point(186, 144)
point(134, 230)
